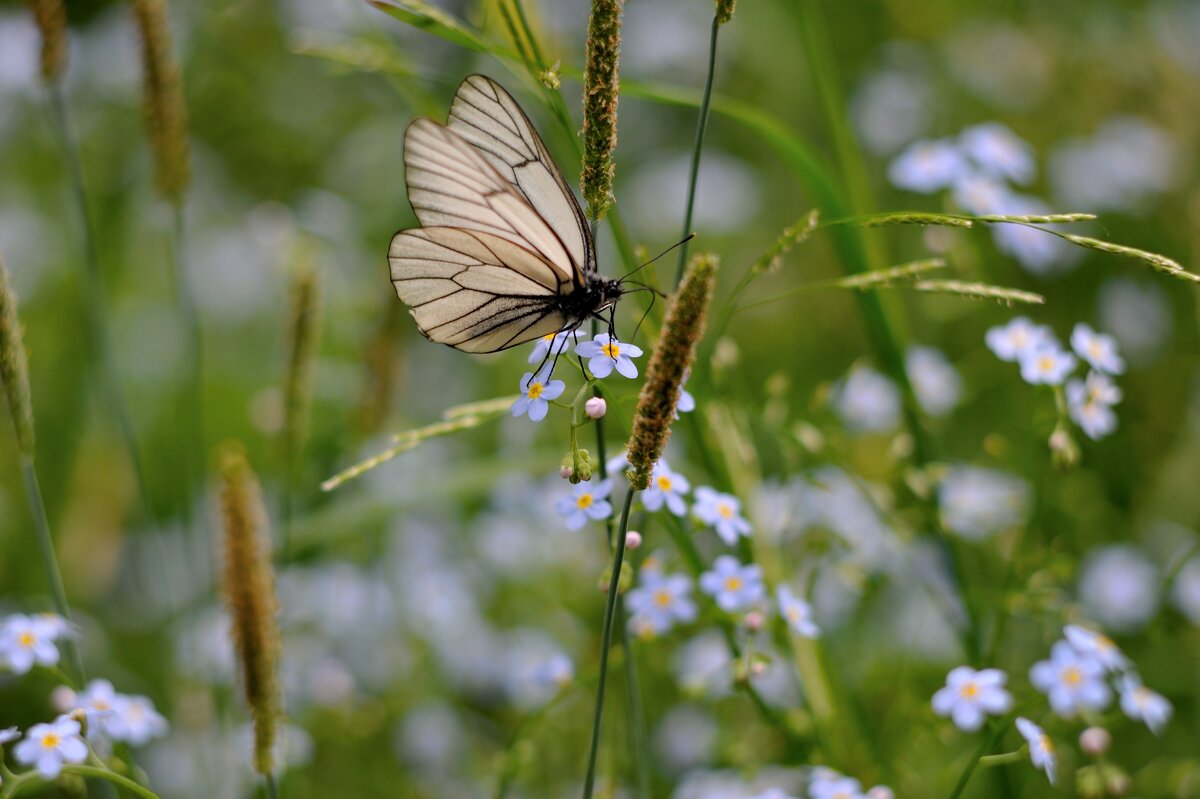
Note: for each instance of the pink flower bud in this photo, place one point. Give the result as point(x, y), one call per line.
point(753, 621)
point(595, 407)
point(1095, 740)
point(565, 471)
point(633, 539)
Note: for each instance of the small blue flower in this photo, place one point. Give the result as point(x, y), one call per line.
point(605, 353)
point(1048, 364)
point(1090, 404)
point(587, 501)
point(666, 487)
point(721, 512)
point(927, 166)
point(732, 586)
point(550, 345)
point(535, 391)
point(1010, 342)
point(999, 152)
point(686, 403)
point(661, 601)
point(796, 612)
point(1099, 350)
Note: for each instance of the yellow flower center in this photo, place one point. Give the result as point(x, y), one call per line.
point(535, 390)
point(100, 704)
point(793, 614)
point(664, 483)
point(1045, 362)
point(584, 501)
point(50, 741)
point(970, 690)
point(611, 349)
point(733, 583)
point(1094, 349)
point(725, 510)
point(1071, 676)
point(662, 598)
point(1045, 743)
point(27, 639)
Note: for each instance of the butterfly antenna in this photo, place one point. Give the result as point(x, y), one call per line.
point(653, 297)
point(684, 240)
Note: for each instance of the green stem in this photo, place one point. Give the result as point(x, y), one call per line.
point(610, 608)
point(33, 493)
point(985, 745)
point(193, 404)
point(272, 791)
point(694, 173)
point(637, 715)
point(95, 303)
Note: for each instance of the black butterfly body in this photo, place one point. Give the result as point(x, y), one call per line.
point(504, 254)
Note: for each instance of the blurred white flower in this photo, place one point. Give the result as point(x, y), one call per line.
point(1090, 402)
point(890, 109)
point(118, 717)
point(47, 747)
point(1091, 643)
point(1121, 168)
point(18, 54)
point(26, 641)
point(829, 784)
point(1040, 253)
point(867, 401)
point(732, 586)
point(981, 194)
point(1071, 681)
point(970, 696)
point(1099, 350)
point(927, 166)
point(431, 737)
point(1185, 592)
point(935, 382)
point(796, 612)
point(998, 152)
point(1119, 587)
point(1141, 704)
point(722, 512)
point(703, 665)
point(1137, 314)
point(1047, 365)
point(1041, 750)
point(661, 601)
point(1012, 341)
point(975, 502)
point(686, 736)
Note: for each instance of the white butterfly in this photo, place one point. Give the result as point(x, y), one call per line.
point(504, 254)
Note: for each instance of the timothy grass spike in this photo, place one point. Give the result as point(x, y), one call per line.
point(165, 112)
point(14, 367)
point(51, 19)
point(249, 586)
point(601, 86)
point(683, 327)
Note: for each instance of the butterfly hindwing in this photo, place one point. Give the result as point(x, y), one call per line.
point(475, 291)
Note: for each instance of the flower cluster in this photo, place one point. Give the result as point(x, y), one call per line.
point(26, 641)
point(1079, 677)
point(1044, 361)
point(604, 355)
point(979, 168)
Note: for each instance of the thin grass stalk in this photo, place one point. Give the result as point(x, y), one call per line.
point(96, 306)
point(637, 714)
point(193, 391)
point(303, 332)
point(701, 124)
point(610, 607)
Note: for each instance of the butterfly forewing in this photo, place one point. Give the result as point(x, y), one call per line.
point(474, 291)
point(486, 116)
point(450, 184)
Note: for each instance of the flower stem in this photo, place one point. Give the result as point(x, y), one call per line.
point(985, 745)
point(95, 316)
point(272, 791)
point(193, 398)
point(694, 172)
point(637, 714)
point(33, 493)
point(610, 608)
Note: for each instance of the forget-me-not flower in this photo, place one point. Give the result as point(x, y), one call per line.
point(550, 345)
point(661, 601)
point(1071, 680)
point(29, 640)
point(970, 696)
point(48, 746)
point(935, 383)
point(927, 166)
point(666, 488)
point(999, 152)
point(1041, 750)
point(722, 512)
point(1012, 341)
point(1047, 365)
point(733, 586)
point(1142, 704)
point(587, 501)
point(536, 390)
point(796, 612)
point(605, 353)
point(1098, 349)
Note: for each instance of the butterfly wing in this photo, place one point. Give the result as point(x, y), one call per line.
point(451, 184)
point(474, 290)
point(489, 119)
